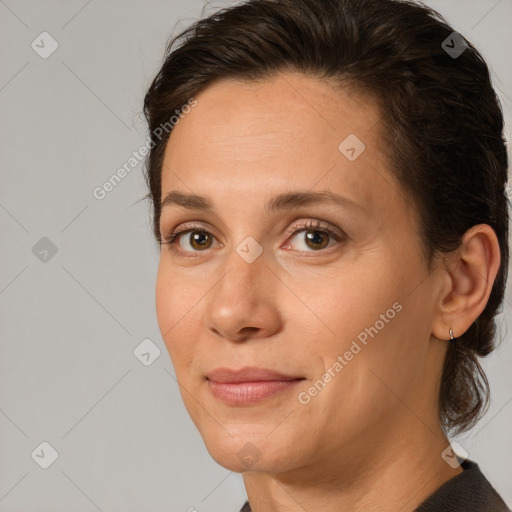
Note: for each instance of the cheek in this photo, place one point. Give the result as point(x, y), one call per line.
point(174, 296)
point(350, 302)
point(174, 308)
point(369, 314)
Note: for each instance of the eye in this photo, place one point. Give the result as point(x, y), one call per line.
point(315, 235)
point(198, 239)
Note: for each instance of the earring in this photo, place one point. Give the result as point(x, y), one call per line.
point(451, 335)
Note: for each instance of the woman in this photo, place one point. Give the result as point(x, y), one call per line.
point(328, 188)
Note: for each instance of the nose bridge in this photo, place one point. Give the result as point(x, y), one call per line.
point(245, 266)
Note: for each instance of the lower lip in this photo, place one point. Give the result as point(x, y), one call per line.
point(246, 393)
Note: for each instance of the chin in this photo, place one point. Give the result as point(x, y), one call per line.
point(247, 450)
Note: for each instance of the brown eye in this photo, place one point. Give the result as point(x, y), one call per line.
point(199, 240)
point(313, 237)
point(316, 239)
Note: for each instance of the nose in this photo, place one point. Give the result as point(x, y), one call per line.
point(244, 303)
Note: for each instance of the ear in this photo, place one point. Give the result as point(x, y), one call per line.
point(470, 272)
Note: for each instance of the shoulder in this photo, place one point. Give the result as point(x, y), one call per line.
point(469, 491)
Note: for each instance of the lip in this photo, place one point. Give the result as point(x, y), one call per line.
point(248, 385)
point(248, 374)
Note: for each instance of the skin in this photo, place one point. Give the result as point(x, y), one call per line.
point(370, 439)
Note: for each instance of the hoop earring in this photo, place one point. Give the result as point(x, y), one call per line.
point(451, 336)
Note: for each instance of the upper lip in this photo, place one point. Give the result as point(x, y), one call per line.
point(248, 374)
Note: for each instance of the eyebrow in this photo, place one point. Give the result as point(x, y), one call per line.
point(284, 201)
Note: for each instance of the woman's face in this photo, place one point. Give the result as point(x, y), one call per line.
point(328, 288)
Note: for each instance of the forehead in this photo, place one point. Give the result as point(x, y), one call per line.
point(288, 106)
point(281, 133)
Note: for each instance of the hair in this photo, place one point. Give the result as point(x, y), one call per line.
point(443, 126)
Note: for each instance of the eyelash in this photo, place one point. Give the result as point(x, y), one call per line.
point(294, 229)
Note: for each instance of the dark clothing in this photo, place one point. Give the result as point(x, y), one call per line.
point(469, 491)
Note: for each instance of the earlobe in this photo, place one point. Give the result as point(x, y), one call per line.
point(471, 270)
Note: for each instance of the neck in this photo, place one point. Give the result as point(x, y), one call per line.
point(396, 475)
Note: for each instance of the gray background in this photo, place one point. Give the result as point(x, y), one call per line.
point(70, 322)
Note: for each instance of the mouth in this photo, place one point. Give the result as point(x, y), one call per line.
point(249, 385)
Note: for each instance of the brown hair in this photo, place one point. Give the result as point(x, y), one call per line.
point(444, 125)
